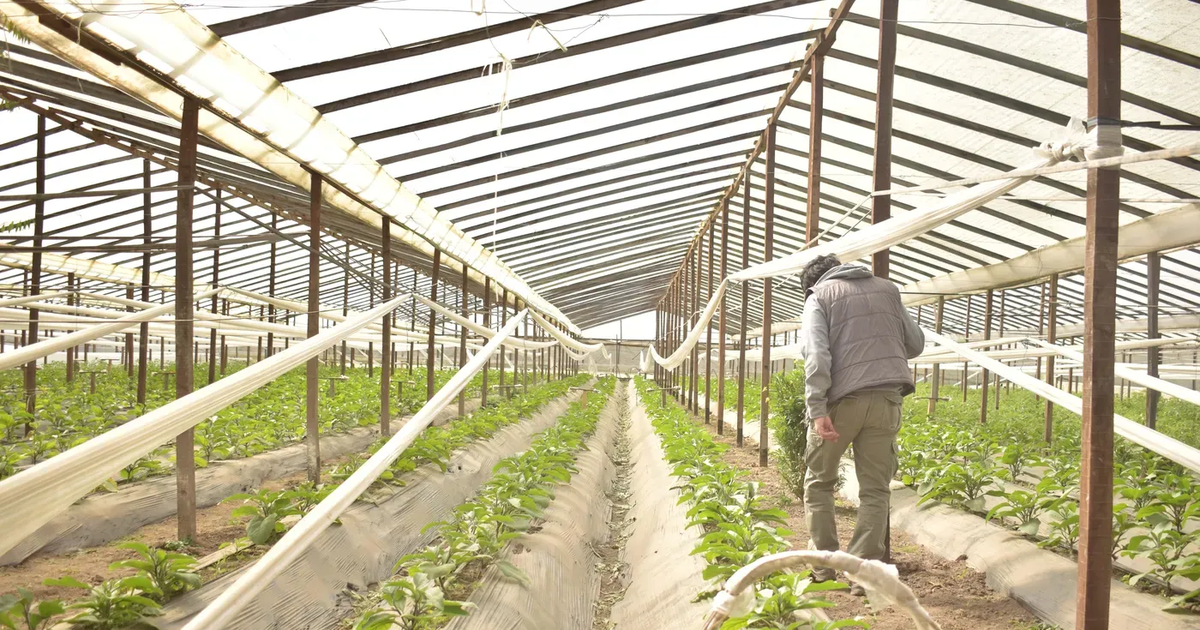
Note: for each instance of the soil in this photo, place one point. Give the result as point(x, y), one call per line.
point(956, 595)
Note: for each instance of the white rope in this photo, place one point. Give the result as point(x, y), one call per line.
point(233, 599)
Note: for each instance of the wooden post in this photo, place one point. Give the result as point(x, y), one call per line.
point(812, 223)
point(412, 325)
point(224, 348)
point(1041, 329)
point(712, 235)
point(487, 323)
point(271, 287)
point(35, 275)
point(433, 289)
point(741, 376)
point(1099, 326)
point(1051, 325)
point(462, 340)
point(185, 457)
point(312, 395)
point(721, 322)
point(881, 208)
point(346, 302)
point(216, 279)
point(129, 367)
point(503, 352)
point(937, 367)
point(983, 375)
point(966, 338)
point(385, 366)
point(694, 306)
point(1153, 266)
point(768, 254)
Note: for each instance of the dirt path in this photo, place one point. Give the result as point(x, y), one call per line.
point(955, 595)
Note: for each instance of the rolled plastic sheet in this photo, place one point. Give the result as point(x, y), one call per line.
point(225, 608)
point(1141, 378)
point(49, 346)
point(28, 299)
point(34, 496)
point(484, 331)
point(566, 340)
point(1139, 434)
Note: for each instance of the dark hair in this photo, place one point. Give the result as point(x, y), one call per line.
point(816, 268)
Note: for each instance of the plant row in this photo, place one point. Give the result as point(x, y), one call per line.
point(161, 574)
point(430, 584)
point(738, 527)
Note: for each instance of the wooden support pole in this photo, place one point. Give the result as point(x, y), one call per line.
point(462, 340)
point(216, 280)
point(693, 319)
point(433, 291)
point(741, 376)
point(1153, 269)
point(371, 344)
point(768, 254)
point(185, 457)
point(937, 367)
point(385, 366)
point(708, 376)
point(503, 352)
point(346, 302)
point(35, 275)
point(271, 287)
point(983, 375)
point(1099, 325)
point(487, 323)
point(723, 318)
point(72, 300)
point(816, 111)
point(1041, 329)
point(1051, 325)
point(966, 338)
point(312, 395)
point(881, 207)
point(224, 348)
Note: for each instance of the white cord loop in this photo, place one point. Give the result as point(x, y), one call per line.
point(1081, 145)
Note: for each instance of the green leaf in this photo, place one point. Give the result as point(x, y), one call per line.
point(66, 581)
point(260, 529)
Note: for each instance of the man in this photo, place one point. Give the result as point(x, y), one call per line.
point(858, 338)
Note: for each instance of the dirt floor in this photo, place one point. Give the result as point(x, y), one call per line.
point(956, 595)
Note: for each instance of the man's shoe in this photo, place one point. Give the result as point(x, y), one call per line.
point(857, 590)
point(823, 575)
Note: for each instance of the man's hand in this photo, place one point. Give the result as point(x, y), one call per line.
point(825, 430)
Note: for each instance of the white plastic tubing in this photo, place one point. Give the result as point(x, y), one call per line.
point(855, 245)
point(225, 608)
point(1141, 435)
point(34, 496)
point(47, 347)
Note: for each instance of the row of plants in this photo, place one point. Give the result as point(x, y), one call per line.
point(430, 586)
point(1032, 485)
point(752, 408)
point(161, 574)
point(738, 527)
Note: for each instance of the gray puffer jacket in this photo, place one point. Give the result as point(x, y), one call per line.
point(857, 335)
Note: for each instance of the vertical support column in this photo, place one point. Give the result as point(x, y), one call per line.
point(185, 458)
point(216, 279)
point(1041, 329)
point(812, 224)
point(712, 236)
point(983, 374)
point(72, 300)
point(966, 338)
point(271, 286)
point(129, 367)
point(937, 367)
point(412, 325)
point(1099, 326)
point(385, 366)
point(35, 276)
point(881, 207)
point(462, 340)
point(996, 382)
point(312, 426)
point(721, 323)
point(1153, 267)
point(741, 397)
point(1051, 325)
point(487, 323)
point(503, 351)
point(764, 432)
point(433, 288)
point(346, 302)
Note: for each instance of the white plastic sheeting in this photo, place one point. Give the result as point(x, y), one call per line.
point(522, 344)
point(1141, 378)
point(35, 495)
point(1141, 435)
point(219, 613)
point(566, 340)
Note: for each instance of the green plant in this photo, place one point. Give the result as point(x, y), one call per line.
point(411, 602)
point(1064, 525)
point(778, 599)
point(266, 509)
point(19, 611)
point(170, 572)
point(789, 426)
point(113, 604)
point(1025, 506)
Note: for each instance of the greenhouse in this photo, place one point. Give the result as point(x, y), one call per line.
point(532, 314)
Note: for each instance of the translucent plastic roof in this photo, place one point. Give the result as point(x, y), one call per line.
point(584, 142)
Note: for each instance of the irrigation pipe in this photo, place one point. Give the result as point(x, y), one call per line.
point(1141, 435)
point(233, 599)
point(37, 494)
point(47, 347)
point(737, 597)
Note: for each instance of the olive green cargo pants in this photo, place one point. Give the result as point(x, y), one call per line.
point(868, 419)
